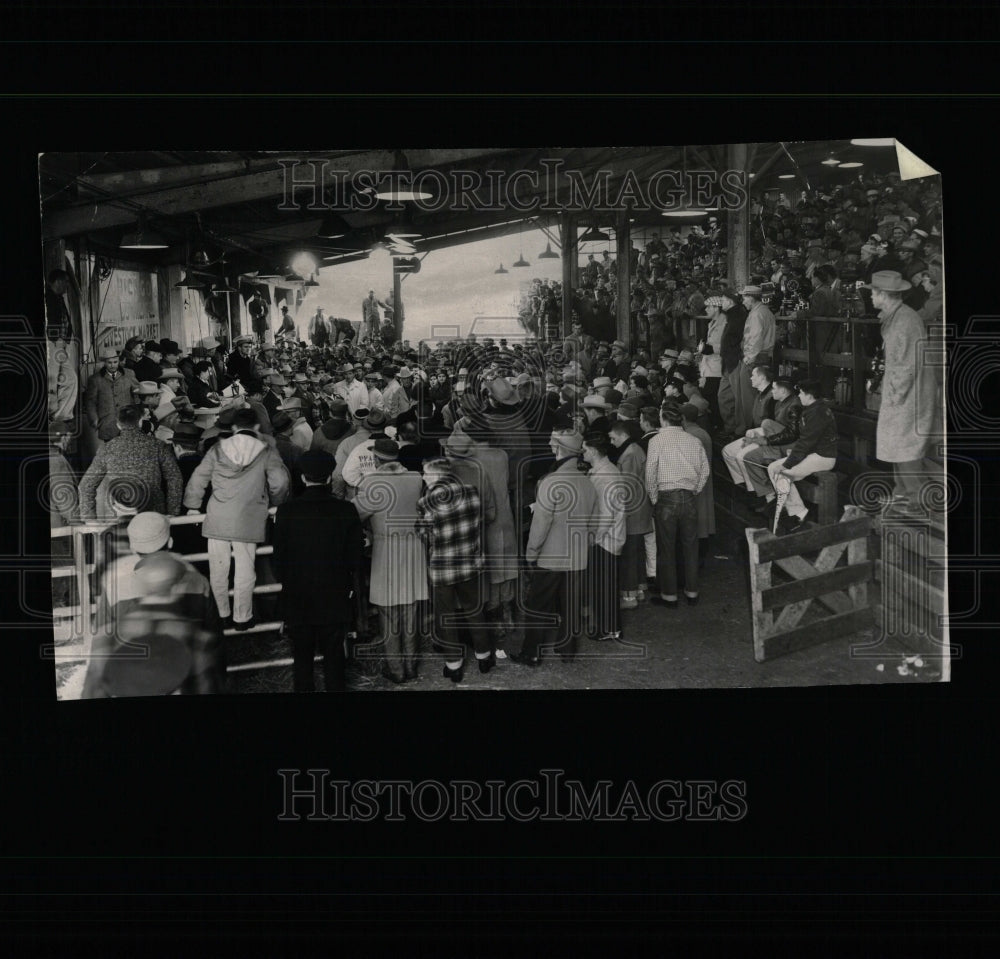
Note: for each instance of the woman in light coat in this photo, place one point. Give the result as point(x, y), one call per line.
point(388, 498)
point(638, 515)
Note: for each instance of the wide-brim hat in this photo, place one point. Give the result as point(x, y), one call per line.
point(346, 368)
point(169, 346)
point(889, 281)
point(108, 353)
point(386, 449)
point(376, 420)
point(503, 392)
point(596, 401)
point(209, 343)
point(242, 339)
point(147, 388)
point(292, 403)
point(751, 290)
point(459, 444)
point(276, 379)
point(603, 382)
point(151, 346)
point(568, 439)
point(171, 374)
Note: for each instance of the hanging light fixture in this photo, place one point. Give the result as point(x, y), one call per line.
point(875, 142)
point(399, 186)
point(312, 281)
point(501, 270)
point(189, 282)
point(853, 165)
point(786, 176)
point(548, 253)
point(143, 238)
point(520, 261)
point(594, 235)
point(222, 287)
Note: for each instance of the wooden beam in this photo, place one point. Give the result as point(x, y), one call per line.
point(792, 614)
point(207, 195)
point(813, 540)
point(814, 633)
point(768, 163)
point(819, 584)
point(796, 566)
point(738, 226)
point(623, 244)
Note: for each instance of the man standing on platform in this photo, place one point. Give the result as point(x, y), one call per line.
point(909, 417)
point(758, 345)
point(319, 330)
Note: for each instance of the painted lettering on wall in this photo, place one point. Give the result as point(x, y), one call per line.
point(129, 307)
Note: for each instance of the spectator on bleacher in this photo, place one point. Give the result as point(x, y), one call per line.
point(757, 348)
point(731, 350)
point(710, 356)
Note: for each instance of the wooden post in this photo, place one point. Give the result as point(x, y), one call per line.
point(760, 580)
point(623, 243)
point(397, 304)
point(569, 254)
point(738, 221)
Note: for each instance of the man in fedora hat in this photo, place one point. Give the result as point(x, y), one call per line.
point(317, 549)
point(909, 417)
point(108, 391)
point(596, 408)
point(302, 433)
point(148, 366)
point(361, 459)
point(564, 517)
point(352, 390)
point(394, 398)
point(319, 329)
point(757, 348)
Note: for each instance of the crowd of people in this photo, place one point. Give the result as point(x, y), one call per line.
point(507, 498)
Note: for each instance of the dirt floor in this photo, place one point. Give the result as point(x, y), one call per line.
point(706, 646)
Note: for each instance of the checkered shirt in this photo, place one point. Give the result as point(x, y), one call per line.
point(675, 460)
point(450, 521)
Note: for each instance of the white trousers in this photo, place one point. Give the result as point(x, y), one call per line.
point(245, 578)
point(813, 463)
point(732, 456)
point(649, 541)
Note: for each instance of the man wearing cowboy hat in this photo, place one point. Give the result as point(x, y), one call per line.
point(108, 391)
point(909, 417)
point(596, 408)
point(394, 398)
point(351, 390)
point(146, 395)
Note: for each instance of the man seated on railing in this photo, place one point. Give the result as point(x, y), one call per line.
point(778, 435)
point(122, 589)
point(815, 451)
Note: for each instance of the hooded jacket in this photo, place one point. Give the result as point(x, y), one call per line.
point(247, 476)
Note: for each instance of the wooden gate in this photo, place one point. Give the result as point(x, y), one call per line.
point(831, 590)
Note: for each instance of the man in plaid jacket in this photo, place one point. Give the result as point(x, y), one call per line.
point(450, 522)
